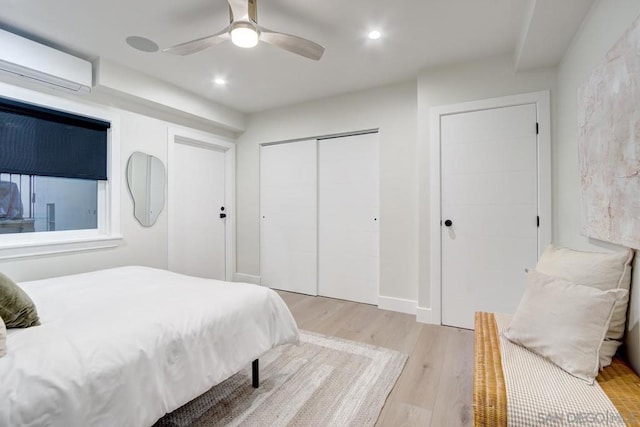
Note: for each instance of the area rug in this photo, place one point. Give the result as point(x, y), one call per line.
point(323, 381)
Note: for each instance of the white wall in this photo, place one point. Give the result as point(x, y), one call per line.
point(604, 25)
point(390, 108)
point(116, 81)
point(140, 245)
point(489, 78)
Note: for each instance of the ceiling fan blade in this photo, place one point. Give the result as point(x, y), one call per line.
point(293, 44)
point(198, 45)
point(239, 10)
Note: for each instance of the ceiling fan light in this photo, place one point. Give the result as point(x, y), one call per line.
point(244, 36)
point(374, 34)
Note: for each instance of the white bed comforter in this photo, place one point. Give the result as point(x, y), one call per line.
point(124, 346)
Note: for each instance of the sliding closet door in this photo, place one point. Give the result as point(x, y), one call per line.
point(348, 222)
point(288, 216)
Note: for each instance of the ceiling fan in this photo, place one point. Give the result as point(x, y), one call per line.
point(244, 31)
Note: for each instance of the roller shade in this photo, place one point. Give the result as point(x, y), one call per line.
point(39, 141)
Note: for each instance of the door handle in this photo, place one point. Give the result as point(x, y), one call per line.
point(448, 223)
point(223, 215)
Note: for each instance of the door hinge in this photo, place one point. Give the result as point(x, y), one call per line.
point(537, 128)
point(538, 221)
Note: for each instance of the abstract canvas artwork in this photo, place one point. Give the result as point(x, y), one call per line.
point(609, 144)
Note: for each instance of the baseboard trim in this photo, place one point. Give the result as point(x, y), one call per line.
point(246, 278)
point(397, 304)
point(425, 315)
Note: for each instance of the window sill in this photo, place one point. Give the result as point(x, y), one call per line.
point(38, 247)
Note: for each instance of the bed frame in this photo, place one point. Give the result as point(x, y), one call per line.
point(255, 374)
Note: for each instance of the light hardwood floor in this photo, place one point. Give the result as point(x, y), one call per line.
point(435, 386)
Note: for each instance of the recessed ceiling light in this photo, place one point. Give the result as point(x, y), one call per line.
point(142, 44)
point(375, 34)
point(220, 81)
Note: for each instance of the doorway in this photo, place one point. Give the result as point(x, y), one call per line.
point(491, 203)
point(201, 204)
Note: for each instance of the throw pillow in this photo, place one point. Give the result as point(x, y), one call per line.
point(564, 322)
point(598, 270)
point(16, 308)
point(3, 338)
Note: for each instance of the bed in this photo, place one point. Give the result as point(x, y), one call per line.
point(124, 346)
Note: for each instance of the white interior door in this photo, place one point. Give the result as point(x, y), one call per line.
point(197, 180)
point(489, 193)
point(348, 218)
point(288, 216)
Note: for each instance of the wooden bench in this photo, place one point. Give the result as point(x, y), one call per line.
point(618, 381)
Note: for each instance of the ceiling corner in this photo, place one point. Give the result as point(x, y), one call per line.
point(527, 18)
point(547, 31)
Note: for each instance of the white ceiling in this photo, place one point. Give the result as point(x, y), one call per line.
point(416, 34)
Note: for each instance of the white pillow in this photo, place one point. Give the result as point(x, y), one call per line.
point(3, 338)
point(564, 322)
point(598, 270)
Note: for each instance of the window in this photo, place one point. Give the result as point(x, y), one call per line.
point(58, 191)
point(31, 203)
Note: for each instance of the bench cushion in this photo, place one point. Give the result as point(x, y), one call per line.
point(620, 384)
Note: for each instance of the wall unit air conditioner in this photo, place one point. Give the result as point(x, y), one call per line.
point(40, 63)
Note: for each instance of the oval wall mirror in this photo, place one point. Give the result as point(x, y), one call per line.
point(146, 180)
